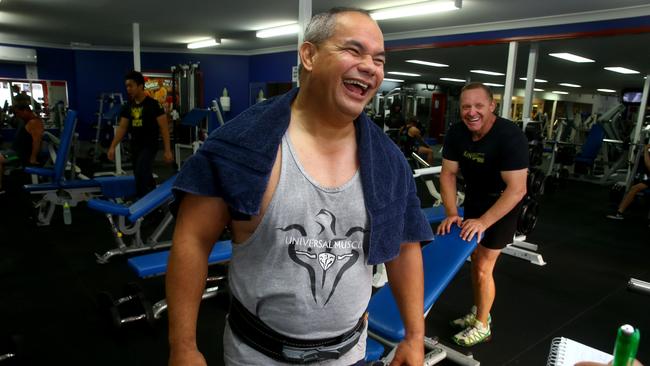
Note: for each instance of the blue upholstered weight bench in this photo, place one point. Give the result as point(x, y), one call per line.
point(59, 191)
point(442, 259)
point(127, 219)
point(155, 264)
point(436, 214)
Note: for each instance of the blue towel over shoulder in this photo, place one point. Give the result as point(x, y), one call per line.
point(235, 164)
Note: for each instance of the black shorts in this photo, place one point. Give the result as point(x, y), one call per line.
point(502, 232)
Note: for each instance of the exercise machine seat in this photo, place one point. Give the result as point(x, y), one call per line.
point(155, 264)
point(141, 207)
point(592, 145)
point(442, 259)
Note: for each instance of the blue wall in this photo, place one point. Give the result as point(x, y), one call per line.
point(59, 64)
point(98, 72)
point(8, 70)
point(219, 71)
point(275, 67)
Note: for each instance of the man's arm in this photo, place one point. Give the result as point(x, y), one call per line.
point(646, 156)
point(119, 135)
point(199, 224)
point(448, 193)
point(515, 191)
point(164, 132)
point(36, 129)
point(406, 279)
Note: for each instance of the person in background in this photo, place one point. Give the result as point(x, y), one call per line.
point(492, 155)
point(411, 141)
point(635, 189)
point(26, 145)
point(143, 117)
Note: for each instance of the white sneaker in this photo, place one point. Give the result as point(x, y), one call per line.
point(467, 319)
point(473, 335)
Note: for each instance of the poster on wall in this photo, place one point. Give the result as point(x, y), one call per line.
point(159, 87)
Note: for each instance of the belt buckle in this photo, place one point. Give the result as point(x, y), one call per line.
point(308, 355)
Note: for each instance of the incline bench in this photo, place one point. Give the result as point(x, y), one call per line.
point(135, 214)
point(59, 191)
point(155, 264)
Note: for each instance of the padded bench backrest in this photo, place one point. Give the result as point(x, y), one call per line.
point(152, 200)
point(436, 214)
point(592, 145)
point(69, 126)
point(442, 259)
point(194, 117)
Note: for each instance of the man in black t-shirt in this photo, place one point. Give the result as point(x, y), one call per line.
point(142, 117)
point(492, 154)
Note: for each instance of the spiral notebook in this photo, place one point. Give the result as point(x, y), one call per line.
point(567, 352)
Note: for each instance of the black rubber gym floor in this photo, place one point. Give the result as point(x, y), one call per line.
point(49, 280)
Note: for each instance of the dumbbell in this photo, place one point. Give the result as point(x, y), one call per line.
point(131, 308)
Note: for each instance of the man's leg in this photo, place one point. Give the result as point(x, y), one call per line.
point(143, 171)
point(629, 197)
point(478, 329)
point(483, 262)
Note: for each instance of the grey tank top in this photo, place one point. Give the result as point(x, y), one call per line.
point(303, 272)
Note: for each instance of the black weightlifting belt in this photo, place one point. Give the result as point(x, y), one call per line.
point(259, 336)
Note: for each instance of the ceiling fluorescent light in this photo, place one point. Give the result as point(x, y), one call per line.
point(204, 43)
point(536, 80)
point(402, 73)
point(606, 90)
point(570, 85)
point(621, 70)
point(428, 7)
point(559, 92)
point(538, 90)
point(571, 57)
point(486, 72)
point(278, 31)
point(452, 79)
point(427, 63)
point(394, 80)
point(493, 84)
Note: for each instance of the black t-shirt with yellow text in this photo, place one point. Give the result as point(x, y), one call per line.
point(481, 162)
point(143, 126)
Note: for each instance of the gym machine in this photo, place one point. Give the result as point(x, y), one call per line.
point(527, 221)
point(108, 116)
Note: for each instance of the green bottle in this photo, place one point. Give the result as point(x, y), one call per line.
point(627, 343)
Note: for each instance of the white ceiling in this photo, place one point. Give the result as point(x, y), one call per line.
point(167, 25)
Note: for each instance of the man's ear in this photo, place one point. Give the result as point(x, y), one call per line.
point(307, 54)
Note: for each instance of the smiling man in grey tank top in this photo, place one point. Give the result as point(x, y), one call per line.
point(303, 250)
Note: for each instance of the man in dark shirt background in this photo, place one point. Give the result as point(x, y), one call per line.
point(142, 117)
point(492, 155)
